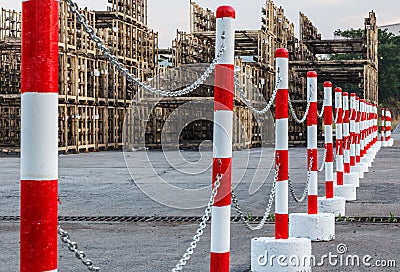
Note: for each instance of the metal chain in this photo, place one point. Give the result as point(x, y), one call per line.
point(81, 18)
point(320, 115)
point(300, 121)
point(248, 103)
point(323, 162)
point(267, 211)
point(305, 192)
point(73, 247)
point(200, 231)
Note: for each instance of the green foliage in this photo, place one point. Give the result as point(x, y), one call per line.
point(350, 33)
point(392, 218)
point(249, 217)
point(389, 62)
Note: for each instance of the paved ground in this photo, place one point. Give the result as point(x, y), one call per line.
point(100, 184)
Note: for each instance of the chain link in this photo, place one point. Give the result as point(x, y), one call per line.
point(323, 161)
point(305, 192)
point(73, 247)
point(300, 121)
point(81, 18)
point(267, 212)
point(248, 103)
point(200, 231)
point(320, 115)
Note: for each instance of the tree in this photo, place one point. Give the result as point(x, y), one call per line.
point(389, 62)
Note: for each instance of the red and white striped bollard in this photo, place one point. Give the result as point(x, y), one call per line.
point(347, 191)
point(223, 125)
point(312, 141)
point(312, 225)
point(281, 145)
point(330, 203)
point(281, 244)
point(39, 136)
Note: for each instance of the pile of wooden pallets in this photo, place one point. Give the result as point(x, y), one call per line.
point(93, 95)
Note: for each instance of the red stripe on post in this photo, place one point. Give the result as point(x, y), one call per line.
point(312, 153)
point(329, 152)
point(282, 110)
point(39, 224)
point(281, 220)
point(219, 262)
point(223, 167)
point(329, 189)
point(39, 67)
point(328, 117)
point(224, 86)
point(312, 114)
point(282, 160)
point(339, 178)
point(312, 204)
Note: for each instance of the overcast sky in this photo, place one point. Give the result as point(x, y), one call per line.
point(328, 15)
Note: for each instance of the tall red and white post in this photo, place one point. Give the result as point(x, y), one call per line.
point(281, 244)
point(358, 132)
point(383, 128)
point(365, 159)
point(312, 225)
point(329, 203)
point(370, 151)
point(223, 125)
point(341, 190)
point(353, 116)
point(39, 136)
point(359, 167)
point(348, 177)
point(312, 142)
point(339, 136)
point(354, 136)
point(389, 138)
point(281, 145)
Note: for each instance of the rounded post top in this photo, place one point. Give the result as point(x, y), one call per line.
point(312, 74)
point(328, 84)
point(338, 90)
point(282, 53)
point(352, 94)
point(226, 12)
point(345, 94)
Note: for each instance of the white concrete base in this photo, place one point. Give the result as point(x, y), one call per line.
point(384, 144)
point(336, 205)
point(349, 192)
point(352, 179)
point(364, 167)
point(367, 159)
point(391, 142)
point(365, 162)
point(265, 252)
point(316, 227)
point(378, 145)
point(359, 169)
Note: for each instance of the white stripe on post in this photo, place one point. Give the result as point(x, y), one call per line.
point(39, 136)
point(39, 125)
point(223, 134)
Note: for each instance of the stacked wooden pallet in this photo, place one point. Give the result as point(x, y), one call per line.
point(93, 95)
